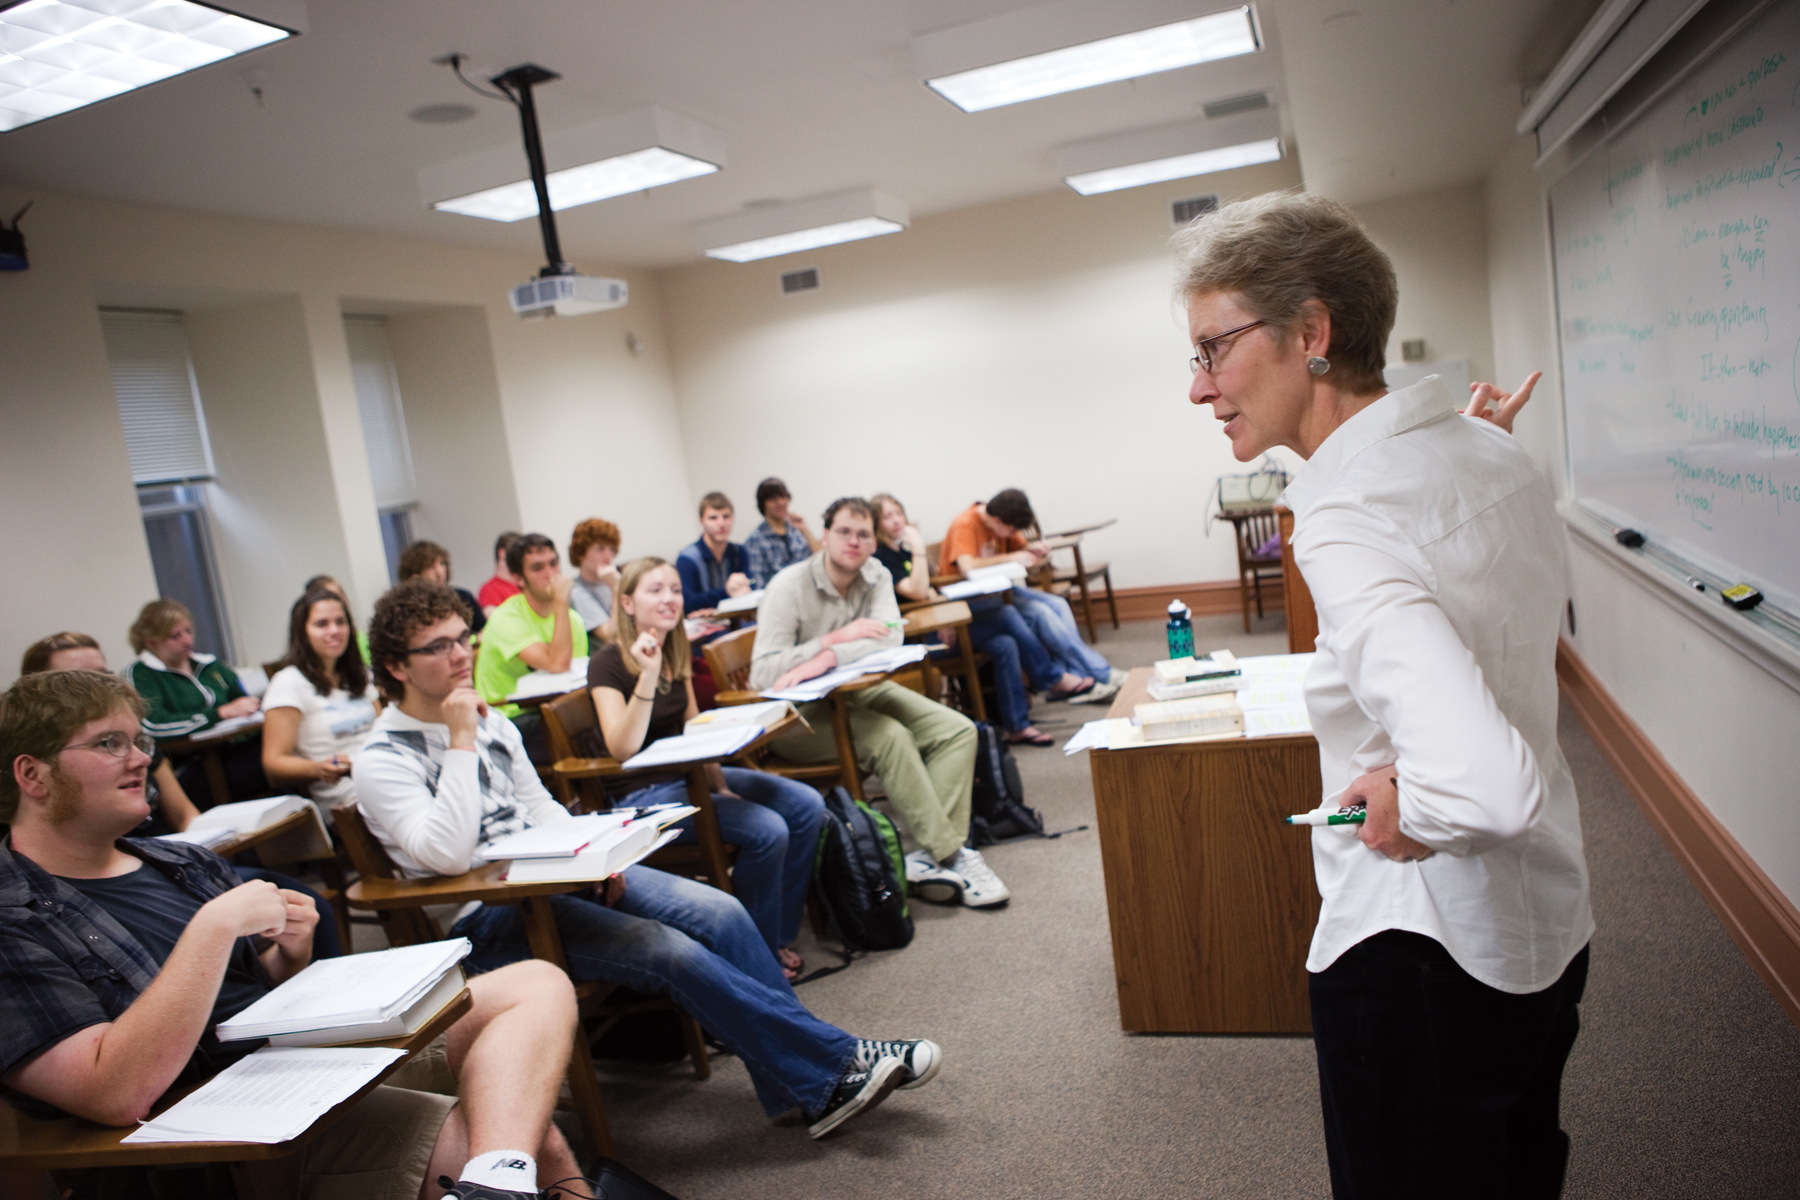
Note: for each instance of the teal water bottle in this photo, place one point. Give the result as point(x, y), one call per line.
point(1181, 631)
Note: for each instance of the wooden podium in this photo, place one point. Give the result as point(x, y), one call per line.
point(1212, 899)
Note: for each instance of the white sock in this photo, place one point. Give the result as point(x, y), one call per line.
point(508, 1170)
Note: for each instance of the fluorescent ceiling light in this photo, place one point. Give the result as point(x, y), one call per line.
point(1171, 152)
point(1070, 67)
point(638, 171)
point(58, 55)
point(806, 225)
point(597, 161)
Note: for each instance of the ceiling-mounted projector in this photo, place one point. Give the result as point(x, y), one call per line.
point(559, 289)
point(569, 295)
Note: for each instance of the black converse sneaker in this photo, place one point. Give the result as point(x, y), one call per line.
point(857, 1092)
point(921, 1058)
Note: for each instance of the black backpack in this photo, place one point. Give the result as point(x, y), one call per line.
point(861, 873)
point(999, 812)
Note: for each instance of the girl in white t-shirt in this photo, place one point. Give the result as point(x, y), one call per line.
point(321, 704)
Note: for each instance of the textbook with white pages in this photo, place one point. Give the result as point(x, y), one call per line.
point(229, 727)
point(273, 1095)
point(552, 683)
point(355, 998)
point(714, 741)
point(748, 602)
point(606, 855)
point(764, 714)
point(228, 822)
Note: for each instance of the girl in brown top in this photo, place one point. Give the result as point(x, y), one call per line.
point(643, 690)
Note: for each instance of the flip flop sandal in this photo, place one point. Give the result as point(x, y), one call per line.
point(1020, 739)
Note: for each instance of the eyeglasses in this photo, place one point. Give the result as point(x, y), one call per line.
point(853, 536)
point(118, 744)
point(1203, 355)
point(442, 646)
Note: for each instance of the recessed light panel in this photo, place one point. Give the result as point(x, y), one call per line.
point(772, 230)
point(614, 156)
point(1107, 60)
point(806, 239)
point(59, 55)
point(1181, 166)
point(575, 186)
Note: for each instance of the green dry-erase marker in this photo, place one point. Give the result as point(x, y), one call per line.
point(1343, 816)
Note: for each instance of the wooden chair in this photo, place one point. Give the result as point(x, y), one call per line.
point(409, 925)
point(1250, 530)
point(1077, 579)
point(573, 729)
point(728, 658)
point(925, 620)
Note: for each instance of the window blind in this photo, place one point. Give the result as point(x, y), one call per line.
point(153, 379)
point(383, 419)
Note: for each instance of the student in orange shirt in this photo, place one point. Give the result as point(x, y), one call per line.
point(984, 535)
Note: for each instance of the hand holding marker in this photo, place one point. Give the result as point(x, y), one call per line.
point(1351, 815)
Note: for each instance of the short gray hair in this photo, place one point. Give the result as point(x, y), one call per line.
point(1277, 251)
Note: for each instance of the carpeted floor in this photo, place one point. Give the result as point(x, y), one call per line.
point(1684, 1083)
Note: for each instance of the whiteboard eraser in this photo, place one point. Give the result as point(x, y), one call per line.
point(1742, 597)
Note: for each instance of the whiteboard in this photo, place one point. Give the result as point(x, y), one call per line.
point(1677, 254)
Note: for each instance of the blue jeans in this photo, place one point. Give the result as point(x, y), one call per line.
point(1054, 623)
point(1009, 640)
point(775, 826)
point(673, 937)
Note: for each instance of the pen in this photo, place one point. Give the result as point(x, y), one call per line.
point(1343, 816)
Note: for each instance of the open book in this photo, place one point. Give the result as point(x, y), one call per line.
point(355, 998)
point(552, 683)
point(748, 602)
point(606, 855)
point(229, 822)
point(878, 663)
point(711, 742)
point(229, 727)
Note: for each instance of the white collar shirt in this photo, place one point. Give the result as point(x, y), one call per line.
point(1431, 546)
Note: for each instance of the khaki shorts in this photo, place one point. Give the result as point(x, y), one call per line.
point(379, 1150)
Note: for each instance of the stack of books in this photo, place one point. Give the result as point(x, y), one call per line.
point(356, 998)
point(1197, 716)
point(1183, 678)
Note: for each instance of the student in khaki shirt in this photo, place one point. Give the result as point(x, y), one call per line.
point(829, 611)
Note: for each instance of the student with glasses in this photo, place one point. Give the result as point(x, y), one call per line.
point(829, 611)
point(444, 776)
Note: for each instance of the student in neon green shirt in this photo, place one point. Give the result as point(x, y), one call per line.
point(536, 630)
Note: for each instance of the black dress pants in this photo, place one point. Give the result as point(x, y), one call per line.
point(1435, 1085)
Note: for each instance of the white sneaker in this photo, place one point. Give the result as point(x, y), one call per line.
point(928, 881)
point(981, 887)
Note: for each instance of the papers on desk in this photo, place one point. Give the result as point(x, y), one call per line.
point(229, 822)
point(271, 1096)
point(748, 602)
point(721, 741)
point(698, 627)
point(355, 998)
point(1271, 694)
point(986, 585)
point(1089, 737)
point(878, 663)
point(607, 854)
point(229, 727)
point(533, 684)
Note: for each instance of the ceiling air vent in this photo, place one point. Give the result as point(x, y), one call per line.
point(1249, 102)
point(806, 279)
point(1183, 211)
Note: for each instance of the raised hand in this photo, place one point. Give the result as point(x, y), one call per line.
point(254, 907)
point(463, 710)
point(1506, 404)
point(647, 650)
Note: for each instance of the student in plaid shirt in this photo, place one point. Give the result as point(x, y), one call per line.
point(782, 539)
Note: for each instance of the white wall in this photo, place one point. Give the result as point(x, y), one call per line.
point(1724, 722)
point(1028, 344)
point(1438, 241)
point(582, 426)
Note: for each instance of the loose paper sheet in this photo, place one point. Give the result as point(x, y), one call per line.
point(270, 1096)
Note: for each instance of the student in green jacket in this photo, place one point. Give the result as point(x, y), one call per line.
point(189, 692)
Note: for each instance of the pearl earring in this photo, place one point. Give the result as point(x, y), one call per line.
point(1318, 365)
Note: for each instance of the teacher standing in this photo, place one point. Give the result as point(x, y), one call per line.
point(1451, 950)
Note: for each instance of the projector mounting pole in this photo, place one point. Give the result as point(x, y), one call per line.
point(517, 83)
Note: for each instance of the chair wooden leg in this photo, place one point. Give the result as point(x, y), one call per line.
point(584, 1087)
point(1244, 598)
point(1112, 602)
point(971, 675)
point(706, 822)
point(331, 870)
point(1087, 601)
point(696, 1045)
point(840, 728)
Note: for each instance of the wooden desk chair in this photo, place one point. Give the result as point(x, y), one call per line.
point(573, 730)
point(728, 658)
point(939, 579)
point(1079, 577)
point(926, 620)
point(1249, 531)
point(402, 911)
